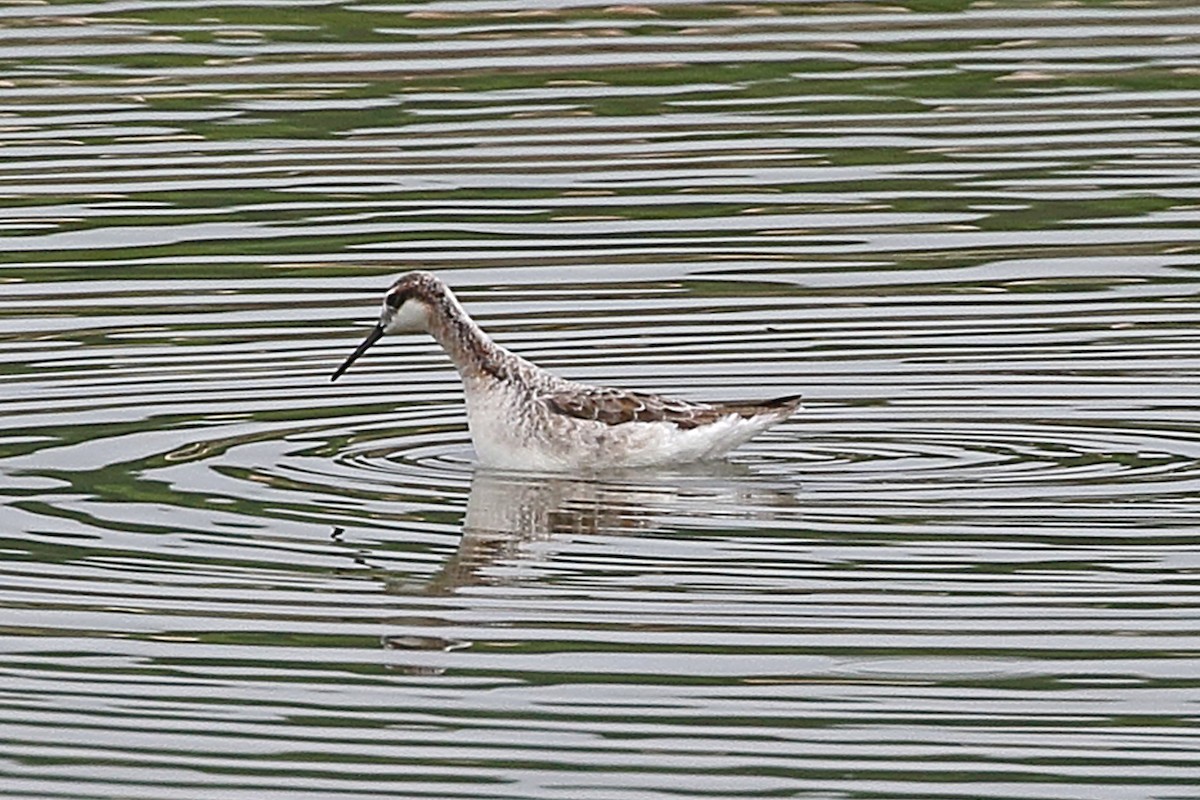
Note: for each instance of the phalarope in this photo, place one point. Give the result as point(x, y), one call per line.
point(524, 418)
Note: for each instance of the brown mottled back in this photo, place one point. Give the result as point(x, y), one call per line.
point(616, 407)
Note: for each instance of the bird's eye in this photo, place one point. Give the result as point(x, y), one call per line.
point(395, 299)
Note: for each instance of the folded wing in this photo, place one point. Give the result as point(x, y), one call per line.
point(617, 407)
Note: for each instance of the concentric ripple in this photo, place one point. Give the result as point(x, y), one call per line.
point(1043, 458)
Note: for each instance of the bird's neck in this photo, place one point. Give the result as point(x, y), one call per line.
point(473, 352)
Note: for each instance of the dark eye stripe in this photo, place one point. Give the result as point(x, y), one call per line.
point(396, 299)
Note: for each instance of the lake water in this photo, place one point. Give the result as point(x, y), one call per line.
point(967, 232)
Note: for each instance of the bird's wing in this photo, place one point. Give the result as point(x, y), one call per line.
point(616, 407)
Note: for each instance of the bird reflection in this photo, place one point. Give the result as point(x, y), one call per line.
point(516, 520)
point(508, 514)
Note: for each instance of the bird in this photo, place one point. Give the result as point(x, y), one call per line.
point(524, 418)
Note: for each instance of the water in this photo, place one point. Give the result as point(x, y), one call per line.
point(966, 232)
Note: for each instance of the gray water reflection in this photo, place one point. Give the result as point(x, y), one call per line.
point(510, 514)
point(515, 523)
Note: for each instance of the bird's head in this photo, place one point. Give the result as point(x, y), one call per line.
point(407, 307)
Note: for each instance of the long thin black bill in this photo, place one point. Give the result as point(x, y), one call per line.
point(371, 339)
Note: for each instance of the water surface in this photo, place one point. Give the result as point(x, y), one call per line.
point(966, 232)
